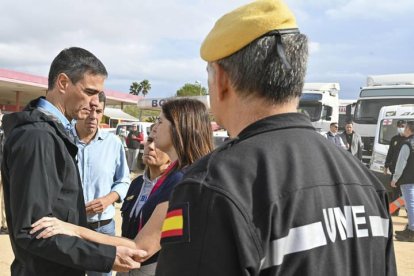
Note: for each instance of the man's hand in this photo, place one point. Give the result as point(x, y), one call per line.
point(385, 170)
point(127, 259)
point(393, 184)
point(99, 204)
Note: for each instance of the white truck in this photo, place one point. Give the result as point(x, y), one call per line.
point(386, 128)
point(321, 103)
point(381, 90)
point(343, 117)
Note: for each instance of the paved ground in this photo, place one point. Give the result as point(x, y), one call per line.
point(404, 250)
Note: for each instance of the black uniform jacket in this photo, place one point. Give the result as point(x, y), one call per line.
point(407, 176)
point(278, 200)
point(40, 178)
point(393, 151)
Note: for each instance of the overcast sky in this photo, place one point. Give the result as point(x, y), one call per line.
point(160, 40)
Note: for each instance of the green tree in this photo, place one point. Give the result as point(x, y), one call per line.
point(135, 88)
point(132, 110)
point(144, 115)
point(191, 89)
point(143, 87)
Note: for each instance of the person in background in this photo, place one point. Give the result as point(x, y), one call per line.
point(183, 132)
point(352, 140)
point(156, 162)
point(103, 170)
point(133, 144)
point(391, 160)
point(40, 176)
point(123, 134)
point(3, 222)
point(277, 199)
point(333, 136)
point(404, 177)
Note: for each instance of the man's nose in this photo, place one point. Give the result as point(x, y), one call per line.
point(94, 102)
point(93, 113)
point(151, 145)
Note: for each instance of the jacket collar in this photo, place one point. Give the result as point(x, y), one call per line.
point(276, 122)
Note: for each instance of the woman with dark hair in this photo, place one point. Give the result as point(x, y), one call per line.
point(182, 131)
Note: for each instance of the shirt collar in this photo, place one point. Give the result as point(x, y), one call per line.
point(46, 105)
point(99, 135)
point(146, 178)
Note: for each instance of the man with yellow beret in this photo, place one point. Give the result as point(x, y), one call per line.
point(277, 199)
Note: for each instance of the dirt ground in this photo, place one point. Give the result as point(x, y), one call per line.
point(404, 251)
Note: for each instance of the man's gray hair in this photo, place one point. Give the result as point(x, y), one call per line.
point(258, 69)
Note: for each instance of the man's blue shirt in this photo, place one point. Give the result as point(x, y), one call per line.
point(49, 107)
point(103, 169)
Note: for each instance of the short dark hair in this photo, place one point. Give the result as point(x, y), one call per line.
point(102, 98)
point(332, 124)
point(349, 122)
point(257, 68)
point(75, 63)
point(401, 122)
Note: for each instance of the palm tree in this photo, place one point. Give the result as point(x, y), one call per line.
point(135, 88)
point(145, 87)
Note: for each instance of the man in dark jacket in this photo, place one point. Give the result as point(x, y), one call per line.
point(277, 199)
point(391, 160)
point(404, 177)
point(40, 175)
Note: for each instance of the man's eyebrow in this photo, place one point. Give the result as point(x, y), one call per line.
point(92, 91)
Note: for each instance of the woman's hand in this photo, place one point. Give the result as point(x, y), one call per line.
point(52, 226)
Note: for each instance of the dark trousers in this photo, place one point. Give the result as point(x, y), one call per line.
point(394, 193)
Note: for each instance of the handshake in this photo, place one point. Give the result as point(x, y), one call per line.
point(127, 259)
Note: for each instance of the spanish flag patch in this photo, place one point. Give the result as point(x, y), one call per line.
point(176, 227)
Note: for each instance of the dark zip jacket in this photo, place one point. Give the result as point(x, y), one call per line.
point(278, 200)
point(407, 176)
point(40, 178)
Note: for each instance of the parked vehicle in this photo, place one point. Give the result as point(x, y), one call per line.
point(142, 127)
point(144, 131)
point(381, 90)
point(320, 102)
point(219, 137)
point(386, 129)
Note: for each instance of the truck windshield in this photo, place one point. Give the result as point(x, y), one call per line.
point(388, 129)
point(367, 111)
point(312, 109)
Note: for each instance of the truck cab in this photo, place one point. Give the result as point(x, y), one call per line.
point(381, 90)
point(321, 103)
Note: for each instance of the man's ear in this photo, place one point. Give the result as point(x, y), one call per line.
point(62, 82)
point(222, 81)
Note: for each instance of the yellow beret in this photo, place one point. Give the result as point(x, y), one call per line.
point(238, 28)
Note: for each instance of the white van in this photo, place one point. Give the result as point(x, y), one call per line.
point(142, 127)
point(144, 130)
point(385, 130)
